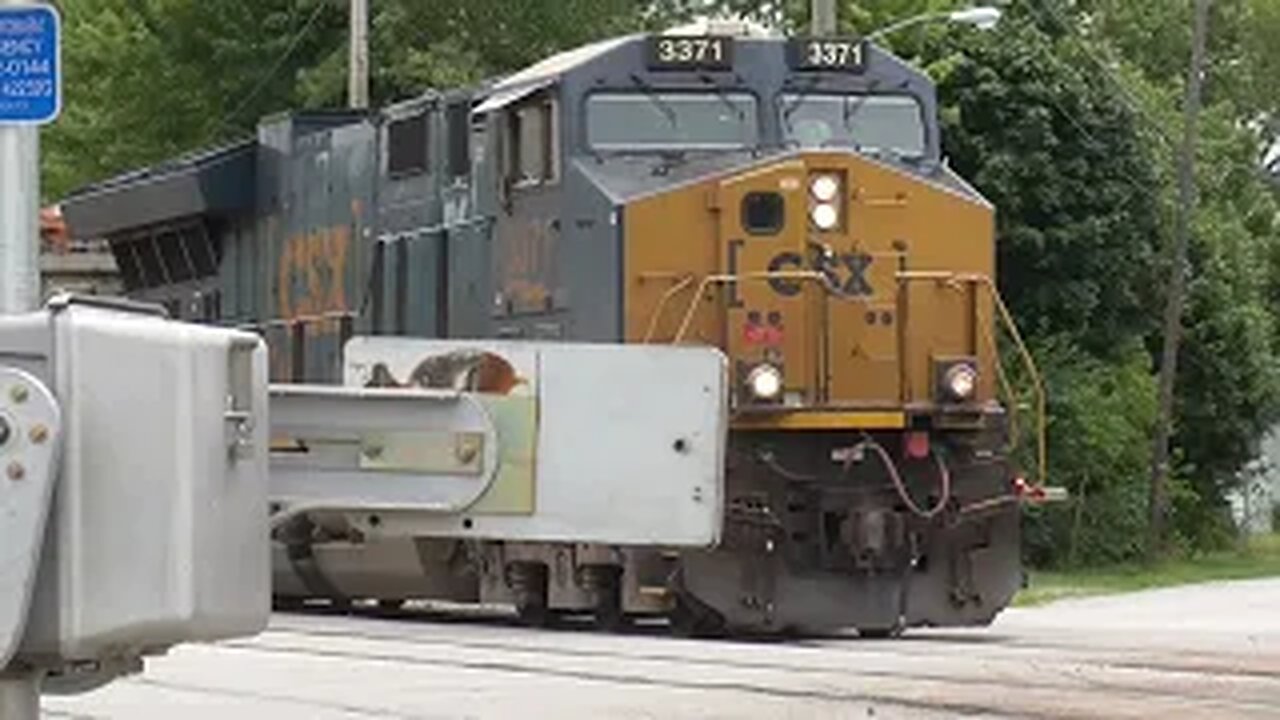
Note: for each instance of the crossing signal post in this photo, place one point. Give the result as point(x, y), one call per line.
point(30, 96)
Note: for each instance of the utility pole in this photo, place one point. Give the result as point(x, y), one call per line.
point(823, 15)
point(358, 62)
point(1159, 496)
point(19, 219)
point(19, 214)
point(19, 293)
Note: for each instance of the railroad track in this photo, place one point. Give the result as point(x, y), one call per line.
point(427, 663)
point(1018, 677)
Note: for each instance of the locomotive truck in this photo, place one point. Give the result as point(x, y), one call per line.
point(572, 231)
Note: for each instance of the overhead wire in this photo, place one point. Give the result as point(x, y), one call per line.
point(1080, 128)
point(271, 72)
point(1049, 13)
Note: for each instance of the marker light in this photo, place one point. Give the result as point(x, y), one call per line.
point(961, 381)
point(825, 216)
point(765, 382)
point(825, 188)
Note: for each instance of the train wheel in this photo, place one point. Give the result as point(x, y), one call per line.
point(690, 619)
point(390, 606)
point(529, 585)
point(605, 582)
point(287, 603)
point(881, 633)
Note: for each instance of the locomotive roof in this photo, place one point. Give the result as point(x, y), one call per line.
point(547, 71)
point(625, 179)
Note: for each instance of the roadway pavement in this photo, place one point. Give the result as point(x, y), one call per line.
point(1208, 651)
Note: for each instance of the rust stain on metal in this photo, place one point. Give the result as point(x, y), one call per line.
point(313, 269)
point(473, 371)
point(525, 265)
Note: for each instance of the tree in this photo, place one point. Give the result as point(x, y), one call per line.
point(150, 79)
point(1228, 394)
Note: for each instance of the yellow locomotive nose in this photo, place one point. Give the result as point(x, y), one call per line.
point(846, 278)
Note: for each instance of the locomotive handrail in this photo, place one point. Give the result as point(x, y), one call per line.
point(671, 292)
point(729, 279)
point(955, 279)
point(1003, 378)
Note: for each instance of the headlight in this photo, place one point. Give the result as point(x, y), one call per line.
point(961, 381)
point(765, 382)
point(825, 188)
point(825, 216)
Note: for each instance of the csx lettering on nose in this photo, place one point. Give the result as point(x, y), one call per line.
point(847, 271)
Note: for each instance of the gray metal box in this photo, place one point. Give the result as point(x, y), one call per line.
point(158, 532)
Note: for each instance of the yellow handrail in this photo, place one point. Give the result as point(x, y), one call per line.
point(1003, 378)
point(729, 279)
point(954, 279)
point(671, 292)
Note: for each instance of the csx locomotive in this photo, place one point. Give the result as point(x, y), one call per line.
point(782, 199)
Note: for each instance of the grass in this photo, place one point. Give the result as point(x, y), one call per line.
point(1261, 558)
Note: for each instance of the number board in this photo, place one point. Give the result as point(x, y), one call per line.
point(30, 72)
point(708, 52)
point(841, 55)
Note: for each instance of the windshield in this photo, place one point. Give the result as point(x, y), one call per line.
point(655, 120)
point(885, 123)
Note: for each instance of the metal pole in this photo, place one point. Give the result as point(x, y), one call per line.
point(824, 17)
point(1159, 497)
point(19, 215)
point(20, 696)
point(358, 63)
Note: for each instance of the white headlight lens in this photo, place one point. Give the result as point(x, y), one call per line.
point(825, 188)
point(825, 216)
point(765, 382)
point(961, 381)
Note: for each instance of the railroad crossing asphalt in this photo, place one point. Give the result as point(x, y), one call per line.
point(1207, 651)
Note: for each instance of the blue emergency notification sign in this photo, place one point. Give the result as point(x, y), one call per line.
point(30, 64)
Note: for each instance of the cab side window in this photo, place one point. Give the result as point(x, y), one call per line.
point(532, 143)
point(408, 145)
point(458, 118)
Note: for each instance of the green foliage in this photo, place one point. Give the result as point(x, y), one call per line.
point(1099, 434)
point(1260, 558)
point(150, 79)
point(1078, 224)
point(440, 43)
point(1227, 391)
point(1066, 120)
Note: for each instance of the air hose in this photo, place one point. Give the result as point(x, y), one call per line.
point(944, 481)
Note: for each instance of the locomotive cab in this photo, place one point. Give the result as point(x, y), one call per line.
point(785, 201)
